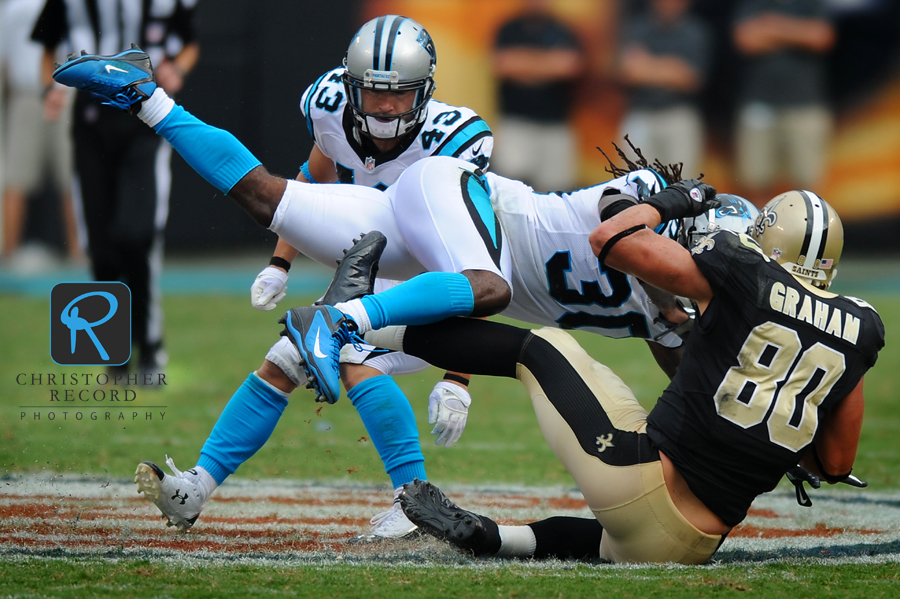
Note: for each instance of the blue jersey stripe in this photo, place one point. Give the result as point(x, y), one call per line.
point(463, 137)
point(307, 107)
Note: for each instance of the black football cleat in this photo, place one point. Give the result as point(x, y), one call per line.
point(428, 508)
point(355, 275)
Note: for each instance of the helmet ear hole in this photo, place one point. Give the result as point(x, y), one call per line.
point(390, 53)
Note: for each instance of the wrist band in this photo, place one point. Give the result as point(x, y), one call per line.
point(449, 376)
point(280, 263)
point(833, 479)
point(304, 168)
point(615, 239)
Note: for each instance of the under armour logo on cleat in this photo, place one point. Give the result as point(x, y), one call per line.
point(604, 442)
point(183, 498)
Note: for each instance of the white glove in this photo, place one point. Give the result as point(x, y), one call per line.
point(448, 406)
point(269, 288)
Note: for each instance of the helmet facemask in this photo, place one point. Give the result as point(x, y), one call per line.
point(380, 126)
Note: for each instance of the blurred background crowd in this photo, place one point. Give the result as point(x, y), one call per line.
point(758, 95)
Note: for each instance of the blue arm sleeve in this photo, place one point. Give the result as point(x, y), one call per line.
point(214, 153)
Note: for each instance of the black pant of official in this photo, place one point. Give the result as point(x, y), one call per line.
point(123, 181)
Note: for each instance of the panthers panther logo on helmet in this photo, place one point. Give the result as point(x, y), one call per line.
point(734, 214)
point(803, 233)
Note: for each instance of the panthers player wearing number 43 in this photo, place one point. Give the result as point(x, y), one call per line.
point(371, 119)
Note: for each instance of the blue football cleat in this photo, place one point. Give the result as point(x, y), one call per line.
point(124, 80)
point(319, 332)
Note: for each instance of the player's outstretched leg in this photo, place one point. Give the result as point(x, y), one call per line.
point(177, 496)
point(123, 80)
point(427, 507)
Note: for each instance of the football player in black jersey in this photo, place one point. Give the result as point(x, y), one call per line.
point(771, 377)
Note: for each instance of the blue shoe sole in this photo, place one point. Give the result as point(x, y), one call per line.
point(85, 73)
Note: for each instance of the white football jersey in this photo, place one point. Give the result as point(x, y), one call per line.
point(447, 131)
point(557, 279)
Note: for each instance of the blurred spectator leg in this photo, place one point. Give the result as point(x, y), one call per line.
point(512, 156)
point(807, 141)
point(559, 158)
point(756, 152)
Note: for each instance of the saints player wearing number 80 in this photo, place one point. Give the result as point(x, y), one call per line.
point(772, 375)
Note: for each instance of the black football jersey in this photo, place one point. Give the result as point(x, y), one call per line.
point(767, 360)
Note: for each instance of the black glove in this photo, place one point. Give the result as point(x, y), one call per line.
point(799, 475)
point(690, 197)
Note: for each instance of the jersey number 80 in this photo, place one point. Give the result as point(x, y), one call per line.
point(768, 357)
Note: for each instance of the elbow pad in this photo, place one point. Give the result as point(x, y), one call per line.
point(613, 203)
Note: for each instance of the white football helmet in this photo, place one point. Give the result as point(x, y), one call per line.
point(394, 54)
point(803, 233)
point(736, 214)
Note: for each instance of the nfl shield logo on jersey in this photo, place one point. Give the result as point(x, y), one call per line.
point(370, 163)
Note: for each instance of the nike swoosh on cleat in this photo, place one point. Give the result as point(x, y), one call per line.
point(110, 69)
point(316, 351)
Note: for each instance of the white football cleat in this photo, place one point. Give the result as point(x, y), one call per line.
point(392, 525)
point(178, 497)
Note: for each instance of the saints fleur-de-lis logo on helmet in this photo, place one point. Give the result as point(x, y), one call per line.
point(766, 218)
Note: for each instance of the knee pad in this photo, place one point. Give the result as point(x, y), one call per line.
point(385, 361)
point(285, 355)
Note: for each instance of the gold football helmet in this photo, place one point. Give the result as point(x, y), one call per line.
point(803, 233)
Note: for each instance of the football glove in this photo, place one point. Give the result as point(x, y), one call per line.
point(269, 288)
point(448, 407)
point(684, 198)
point(799, 475)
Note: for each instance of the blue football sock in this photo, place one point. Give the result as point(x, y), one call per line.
point(391, 424)
point(426, 298)
point(243, 428)
point(214, 153)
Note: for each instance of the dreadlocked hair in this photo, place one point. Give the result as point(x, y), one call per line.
point(671, 173)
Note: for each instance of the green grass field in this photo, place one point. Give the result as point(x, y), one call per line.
point(215, 341)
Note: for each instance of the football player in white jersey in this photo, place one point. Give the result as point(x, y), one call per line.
point(443, 236)
point(371, 119)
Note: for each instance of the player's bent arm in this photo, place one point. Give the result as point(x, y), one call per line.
point(320, 167)
point(837, 439)
point(654, 259)
point(668, 358)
